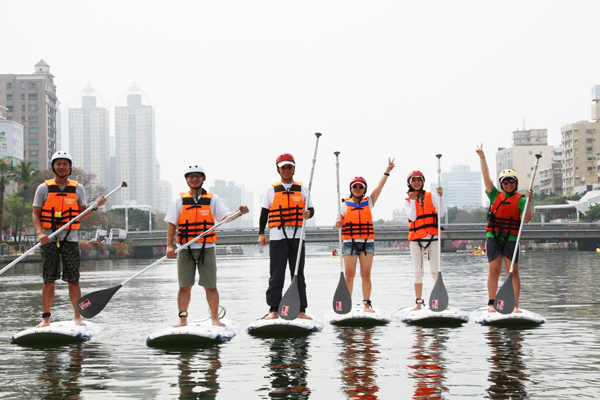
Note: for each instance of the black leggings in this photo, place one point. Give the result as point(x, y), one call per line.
point(282, 251)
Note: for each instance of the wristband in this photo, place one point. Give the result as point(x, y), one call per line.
point(386, 174)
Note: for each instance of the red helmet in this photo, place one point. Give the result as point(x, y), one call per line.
point(412, 175)
point(285, 159)
point(358, 179)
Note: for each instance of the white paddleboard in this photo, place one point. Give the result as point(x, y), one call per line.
point(523, 319)
point(281, 327)
point(358, 317)
point(57, 333)
point(426, 317)
point(195, 333)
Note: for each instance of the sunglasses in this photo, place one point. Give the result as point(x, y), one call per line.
point(358, 186)
point(287, 166)
point(508, 180)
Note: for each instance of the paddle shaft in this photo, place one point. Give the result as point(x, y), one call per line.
point(535, 167)
point(185, 245)
point(339, 204)
point(439, 216)
point(312, 172)
point(88, 210)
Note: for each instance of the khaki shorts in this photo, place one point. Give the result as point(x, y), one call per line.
point(187, 265)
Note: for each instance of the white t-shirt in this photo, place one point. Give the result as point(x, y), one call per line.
point(40, 197)
point(276, 233)
point(411, 209)
point(218, 209)
point(344, 208)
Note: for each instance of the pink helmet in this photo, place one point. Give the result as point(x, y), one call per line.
point(285, 159)
point(358, 179)
point(412, 175)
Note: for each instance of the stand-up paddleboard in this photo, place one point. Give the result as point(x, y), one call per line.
point(358, 317)
point(57, 333)
point(426, 317)
point(523, 319)
point(282, 327)
point(195, 333)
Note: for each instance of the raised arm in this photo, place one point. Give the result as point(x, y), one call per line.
point(377, 191)
point(485, 172)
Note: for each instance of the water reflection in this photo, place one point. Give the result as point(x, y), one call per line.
point(428, 370)
point(60, 373)
point(358, 357)
point(198, 373)
point(287, 368)
point(507, 377)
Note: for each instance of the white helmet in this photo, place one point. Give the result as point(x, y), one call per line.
point(61, 155)
point(194, 168)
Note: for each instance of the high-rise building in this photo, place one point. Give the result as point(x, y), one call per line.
point(234, 196)
point(89, 138)
point(462, 187)
point(31, 101)
point(521, 156)
point(165, 196)
point(135, 147)
point(551, 178)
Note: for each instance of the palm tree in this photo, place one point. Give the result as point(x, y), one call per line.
point(7, 175)
point(26, 174)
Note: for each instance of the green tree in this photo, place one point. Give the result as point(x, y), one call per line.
point(28, 176)
point(7, 174)
point(593, 214)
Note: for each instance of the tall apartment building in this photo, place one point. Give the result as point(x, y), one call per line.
point(551, 178)
point(89, 138)
point(31, 101)
point(234, 196)
point(135, 148)
point(521, 156)
point(165, 196)
point(462, 187)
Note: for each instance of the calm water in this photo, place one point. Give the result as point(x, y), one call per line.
point(559, 360)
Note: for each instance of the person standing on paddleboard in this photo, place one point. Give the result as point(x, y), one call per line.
point(422, 209)
point(56, 202)
point(192, 213)
point(283, 208)
point(358, 233)
point(504, 220)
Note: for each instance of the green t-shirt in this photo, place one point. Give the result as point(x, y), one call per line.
point(492, 196)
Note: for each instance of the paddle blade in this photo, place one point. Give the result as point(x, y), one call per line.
point(92, 303)
point(438, 301)
point(289, 307)
point(342, 301)
point(505, 298)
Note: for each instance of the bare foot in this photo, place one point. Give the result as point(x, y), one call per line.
point(272, 315)
point(517, 310)
point(491, 308)
point(182, 322)
point(303, 315)
point(216, 322)
point(45, 322)
point(79, 322)
point(369, 309)
point(417, 308)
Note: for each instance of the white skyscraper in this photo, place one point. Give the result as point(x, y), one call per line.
point(135, 147)
point(89, 138)
point(462, 187)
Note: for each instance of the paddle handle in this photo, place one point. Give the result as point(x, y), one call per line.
point(312, 172)
point(89, 209)
point(439, 216)
point(514, 257)
point(339, 205)
point(185, 245)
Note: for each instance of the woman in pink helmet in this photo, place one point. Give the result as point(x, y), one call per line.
point(358, 233)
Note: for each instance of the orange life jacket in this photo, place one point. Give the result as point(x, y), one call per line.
point(195, 218)
point(426, 222)
point(504, 216)
point(61, 206)
point(358, 221)
point(287, 207)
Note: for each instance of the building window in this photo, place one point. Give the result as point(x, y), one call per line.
point(9, 97)
point(32, 85)
point(9, 108)
point(23, 85)
point(33, 153)
point(22, 96)
point(23, 108)
point(9, 85)
point(33, 107)
point(33, 131)
point(33, 119)
point(33, 96)
point(33, 142)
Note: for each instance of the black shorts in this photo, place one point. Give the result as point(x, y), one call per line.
point(494, 250)
point(68, 252)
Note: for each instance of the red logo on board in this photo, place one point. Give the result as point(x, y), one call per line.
point(338, 306)
point(285, 310)
point(85, 304)
point(435, 304)
point(500, 305)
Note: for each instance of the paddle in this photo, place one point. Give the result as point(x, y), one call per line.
point(342, 300)
point(289, 307)
point(88, 210)
point(438, 300)
point(505, 298)
point(92, 303)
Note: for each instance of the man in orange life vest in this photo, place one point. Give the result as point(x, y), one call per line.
point(283, 207)
point(191, 214)
point(422, 209)
point(504, 220)
point(56, 202)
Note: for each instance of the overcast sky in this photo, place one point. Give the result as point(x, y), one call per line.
point(236, 83)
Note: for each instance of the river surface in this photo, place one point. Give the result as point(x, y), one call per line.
point(558, 360)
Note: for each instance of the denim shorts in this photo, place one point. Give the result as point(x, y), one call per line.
point(352, 249)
